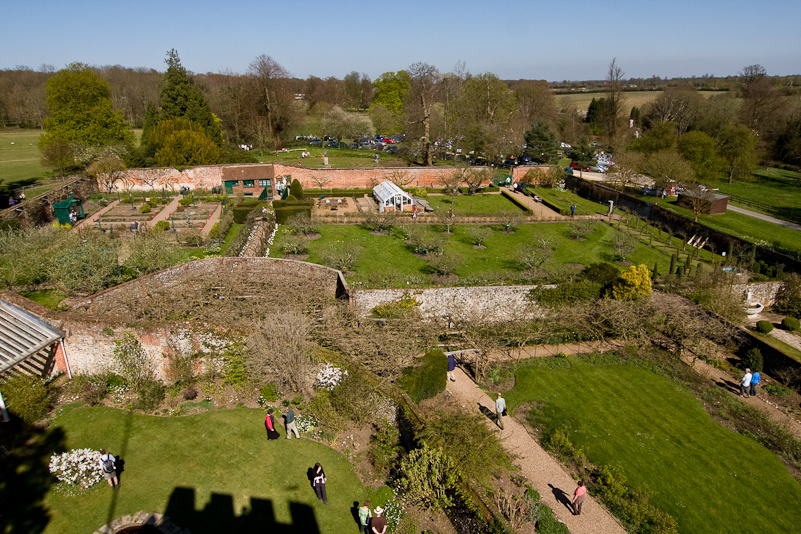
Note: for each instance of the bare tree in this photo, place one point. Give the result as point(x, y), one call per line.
point(614, 78)
point(279, 351)
point(479, 234)
point(451, 181)
point(511, 220)
point(341, 256)
point(475, 178)
point(623, 243)
point(400, 178)
point(627, 169)
point(107, 171)
point(699, 197)
point(320, 181)
point(421, 99)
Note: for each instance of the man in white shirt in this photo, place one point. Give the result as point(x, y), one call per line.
point(745, 383)
point(500, 406)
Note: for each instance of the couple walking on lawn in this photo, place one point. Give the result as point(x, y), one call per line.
point(372, 524)
point(289, 416)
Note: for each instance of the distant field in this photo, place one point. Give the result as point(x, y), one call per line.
point(19, 156)
point(631, 99)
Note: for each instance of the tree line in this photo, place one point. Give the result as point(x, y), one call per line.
point(437, 111)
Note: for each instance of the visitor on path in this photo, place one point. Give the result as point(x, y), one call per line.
point(269, 423)
point(451, 367)
point(414, 212)
point(109, 469)
point(755, 379)
point(745, 383)
point(578, 497)
point(134, 227)
point(319, 483)
point(376, 159)
point(500, 407)
point(289, 417)
point(572, 210)
point(379, 523)
point(364, 517)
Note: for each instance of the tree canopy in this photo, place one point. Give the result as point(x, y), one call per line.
point(81, 111)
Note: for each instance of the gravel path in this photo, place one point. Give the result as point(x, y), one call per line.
point(544, 473)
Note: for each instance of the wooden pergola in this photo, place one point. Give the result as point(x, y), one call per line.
point(28, 344)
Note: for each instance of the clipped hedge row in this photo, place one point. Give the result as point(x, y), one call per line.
point(427, 378)
point(517, 203)
point(241, 211)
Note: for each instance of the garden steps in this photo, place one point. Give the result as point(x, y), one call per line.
point(544, 473)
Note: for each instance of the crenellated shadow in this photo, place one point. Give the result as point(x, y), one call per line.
point(219, 515)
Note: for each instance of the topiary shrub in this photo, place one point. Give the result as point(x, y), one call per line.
point(296, 189)
point(791, 323)
point(765, 327)
point(27, 397)
point(426, 379)
point(753, 359)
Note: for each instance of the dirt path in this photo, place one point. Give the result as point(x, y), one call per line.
point(93, 219)
point(544, 473)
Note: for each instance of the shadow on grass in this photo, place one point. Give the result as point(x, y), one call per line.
point(25, 476)
point(219, 515)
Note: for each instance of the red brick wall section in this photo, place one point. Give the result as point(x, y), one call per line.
point(61, 362)
point(212, 175)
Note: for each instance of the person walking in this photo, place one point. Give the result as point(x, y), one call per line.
point(364, 517)
point(269, 423)
point(578, 497)
point(756, 378)
point(319, 483)
point(379, 523)
point(745, 383)
point(572, 210)
point(109, 469)
point(451, 367)
point(500, 407)
point(289, 416)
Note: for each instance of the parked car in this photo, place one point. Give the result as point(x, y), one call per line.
point(316, 142)
point(332, 144)
point(576, 166)
point(598, 168)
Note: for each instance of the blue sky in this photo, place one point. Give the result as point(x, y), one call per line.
point(570, 39)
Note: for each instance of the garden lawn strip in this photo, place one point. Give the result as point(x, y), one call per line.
point(219, 464)
point(544, 473)
point(705, 474)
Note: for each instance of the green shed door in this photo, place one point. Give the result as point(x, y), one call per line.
point(229, 186)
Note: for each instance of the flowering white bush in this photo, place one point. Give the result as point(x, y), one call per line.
point(78, 467)
point(393, 511)
point(304, 423)
point(329, 377)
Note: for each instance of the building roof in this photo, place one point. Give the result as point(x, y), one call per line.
point(387, 189)
point(247, 172)
point(22, 335)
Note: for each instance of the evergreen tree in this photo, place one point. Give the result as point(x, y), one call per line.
point(179, 97)
point(541, 142)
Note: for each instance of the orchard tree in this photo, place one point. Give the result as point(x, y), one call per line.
point(81, 113)
point(341, 124)
point(107, 171)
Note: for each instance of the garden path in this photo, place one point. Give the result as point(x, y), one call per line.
point(168, 210)
point(545, 474)
point(214, 219)
point(93, 219)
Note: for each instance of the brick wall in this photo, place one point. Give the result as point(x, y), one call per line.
point(212, 176)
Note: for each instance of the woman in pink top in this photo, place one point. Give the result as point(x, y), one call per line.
point(578, 498)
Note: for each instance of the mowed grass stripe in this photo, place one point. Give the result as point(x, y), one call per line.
point(705, 475)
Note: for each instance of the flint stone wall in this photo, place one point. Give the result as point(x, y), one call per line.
point(494, 303)
point(759, 292)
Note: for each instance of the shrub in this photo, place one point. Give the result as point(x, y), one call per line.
point(791, 323)
point(296, 189)
point(753, 359)
point(568, 293)
point(151, 394)
point(132, 361)
point(405, 306)
point(385, 446)
point(162, 226)
point(91, 388)
point(428, 478)
point(778, 390)
point(600, 273)
point(355, 399)
point(635, 282)
point(145, 208)
point(185, 201)
point(765, 327)
point(27, 397)
point(235, 368)
point(426, 379)
point(78, 467)
point(547, 523)
point(190, 393)
point(268, 392)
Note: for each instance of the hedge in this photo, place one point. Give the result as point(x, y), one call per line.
point(282, 215)
point(791, 323)
point(523, 207)
point(242, 210)
point(427, 378)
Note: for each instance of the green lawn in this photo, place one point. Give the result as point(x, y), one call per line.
point(20, 162)
point(708, 477)
point(776, 187)
point(746, 227)
point(481, 204)
point(564, 199)
point(386, 261)
point(344, 158)
point(212, 472)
